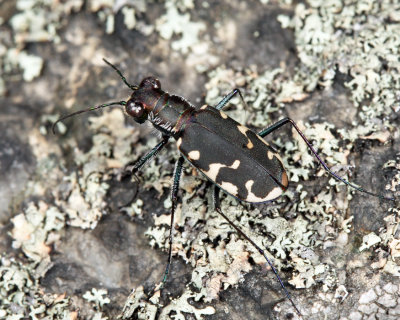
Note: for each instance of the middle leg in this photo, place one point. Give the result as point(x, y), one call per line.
point(174, 200)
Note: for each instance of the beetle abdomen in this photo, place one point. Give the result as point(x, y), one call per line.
point(234, 157)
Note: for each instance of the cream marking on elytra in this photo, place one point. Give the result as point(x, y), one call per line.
point(251, 197)
point(243, 129)
point(272, 154)
point(223, 115)
point(194, 155)
point(212, 173)
point(229, 187)
point(204, 107)
point(235, 164)
point(179, 142)
point(278, 157)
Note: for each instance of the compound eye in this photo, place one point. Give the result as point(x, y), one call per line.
point(136, 110)
point(151, 83)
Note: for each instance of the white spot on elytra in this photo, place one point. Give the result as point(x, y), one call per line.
point(229, 187)
point(243, 129)
point(278, 157)
point(179, 142)
point(235, 164)
point(194, 155)
point(251, 197)
point(204, 107)
point(212, 173)
point(272, 154)
point(223, 115)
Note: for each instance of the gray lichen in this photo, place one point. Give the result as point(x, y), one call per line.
point(21, 295)
point(331, 38)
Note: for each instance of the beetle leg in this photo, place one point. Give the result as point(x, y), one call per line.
point(284, 121)
point(261, 251)
point(174, 200)
point(216, 201)
point(228, 97)
point(131, 169)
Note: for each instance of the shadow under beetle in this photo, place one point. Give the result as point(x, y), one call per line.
point(234, 158)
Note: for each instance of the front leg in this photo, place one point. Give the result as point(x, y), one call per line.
point(228, 97)
point(132, 169)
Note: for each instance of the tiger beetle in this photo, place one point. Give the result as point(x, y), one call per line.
point(235, 159)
